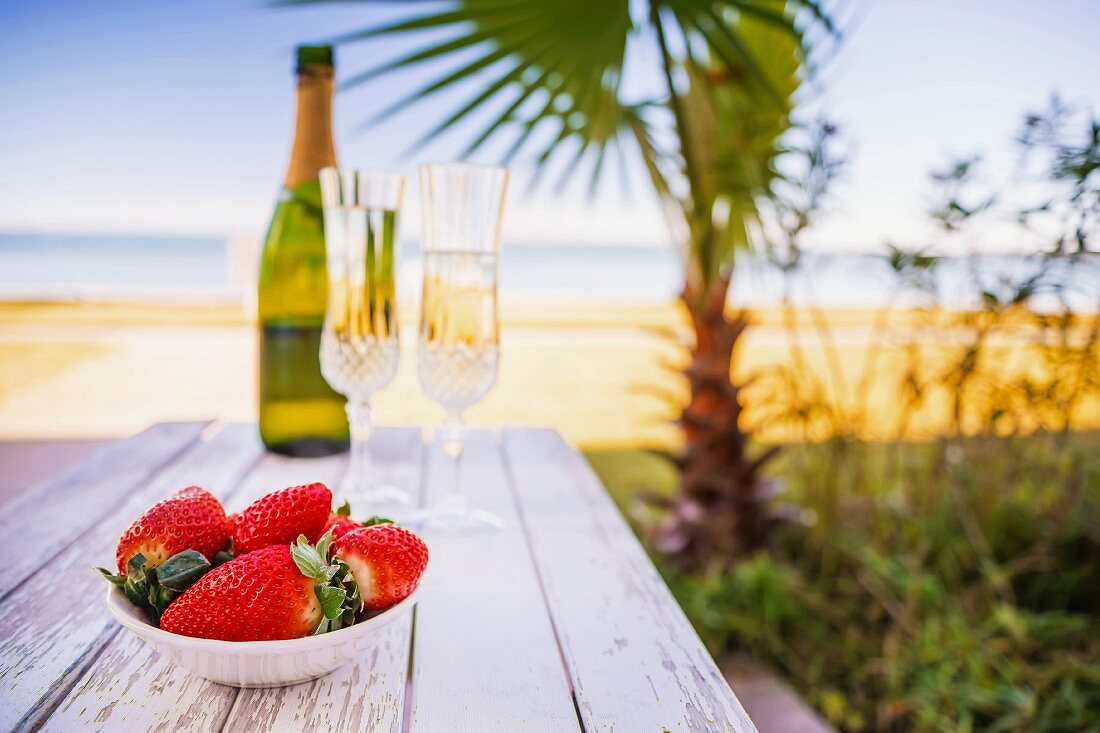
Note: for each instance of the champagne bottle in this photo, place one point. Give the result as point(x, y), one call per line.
point(300, 414)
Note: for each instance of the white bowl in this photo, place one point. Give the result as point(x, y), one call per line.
point(260, 663)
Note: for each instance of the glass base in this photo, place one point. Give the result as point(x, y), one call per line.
point(454, 519)
point(372, 500)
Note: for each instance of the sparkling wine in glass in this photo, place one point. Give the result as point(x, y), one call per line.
point(459, 341)
point(359, 340)
point(459, 335)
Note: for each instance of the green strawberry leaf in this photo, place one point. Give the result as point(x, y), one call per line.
point(136, 595)
point(182, 570)
point(111, 577)
point(323, 545)
point(152, 588)
point(160, 599)
point(306, 557)
point(332, 600)
point(155, 588)
point(344, 510)
point(222, 557)
point(135, 567)
point(341, 586)
point(377, 520)
point(334, 584)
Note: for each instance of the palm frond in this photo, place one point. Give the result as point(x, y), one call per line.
point(731, 70)
point(699, 17)
point(572, 49)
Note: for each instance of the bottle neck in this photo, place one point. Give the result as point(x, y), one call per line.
point(313, 146)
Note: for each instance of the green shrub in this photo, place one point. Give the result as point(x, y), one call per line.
point(942, 587)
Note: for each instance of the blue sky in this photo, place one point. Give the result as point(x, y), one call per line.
point(175, 117)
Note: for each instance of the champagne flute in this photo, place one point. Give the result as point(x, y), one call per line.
point(359, 341)
point(459, 343)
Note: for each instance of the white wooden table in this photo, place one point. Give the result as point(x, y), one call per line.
point(557, 623)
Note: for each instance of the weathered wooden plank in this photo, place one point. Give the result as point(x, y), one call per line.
point(484, 657)
point(129, 687)
point(78, 498)
point(634, 660)
point(54, 624)
point(369, 695)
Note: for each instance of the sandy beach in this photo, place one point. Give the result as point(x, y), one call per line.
point(596, 372)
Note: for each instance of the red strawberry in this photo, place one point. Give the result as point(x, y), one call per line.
point(279, 517)
point(276, 592)
point(190, 519)
point(168, 548)
point(386, 561)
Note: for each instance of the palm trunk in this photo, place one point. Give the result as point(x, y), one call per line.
point(720, 511)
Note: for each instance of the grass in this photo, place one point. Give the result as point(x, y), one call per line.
point(945, 586)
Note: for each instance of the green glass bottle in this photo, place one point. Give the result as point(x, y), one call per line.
point(300, 415)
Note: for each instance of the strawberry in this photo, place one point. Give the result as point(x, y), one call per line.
point(386, 561)
point(340, 521)
point(277, 518)
point(169, 547)
point(276, 592)
point(190, 519)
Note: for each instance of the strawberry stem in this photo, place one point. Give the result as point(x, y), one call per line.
point(155, 588)
point(376, 520)
point(334, 584)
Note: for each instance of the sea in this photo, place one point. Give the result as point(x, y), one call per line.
point(40, 266)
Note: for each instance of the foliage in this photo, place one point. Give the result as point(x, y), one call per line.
point(1070, 213)
point(927, 595)
point(1020, 356)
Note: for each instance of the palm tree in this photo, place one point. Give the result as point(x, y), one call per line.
point(728, 73)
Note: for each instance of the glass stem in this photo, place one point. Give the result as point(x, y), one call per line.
point(451, 436)
point(359, 464)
